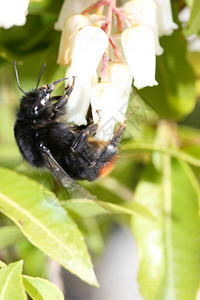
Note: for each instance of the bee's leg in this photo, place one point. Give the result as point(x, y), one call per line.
point(104, 161)
point(110, 149)
point(119, 132)
point(118, 135)
point(83, 136)
point(62, 101)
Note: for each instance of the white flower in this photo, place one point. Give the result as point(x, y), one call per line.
point(139, 48)
point(13, 12)
point(120, 75)
point(193, 39)
point(110, 99)
point(166, 25)
point(79, 100)
point(89, 46)
point(69, 8)
point(184, 16)
point(143, 12)
point(105, 97)
point(71, 27)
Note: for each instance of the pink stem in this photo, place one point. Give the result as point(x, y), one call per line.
point(120, 13)
point(105, 64)
point(106, 26)
point(116, 51)
point(119, 24)
point(95, 5)
point(112, 4)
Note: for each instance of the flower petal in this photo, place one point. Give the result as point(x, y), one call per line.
point(70, 8)
point(89, 46)
point(139, 48)
point(110, 101)
point(166, 25)
point(13, 12)
point(71, 27)
point(79, 99)
point(120, 75)
point(144, 13)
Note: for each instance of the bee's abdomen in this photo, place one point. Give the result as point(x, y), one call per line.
point(29, 144)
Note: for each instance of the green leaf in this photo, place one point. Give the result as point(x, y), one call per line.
point(41, 289)
point(174, 96)
point(2, 264)
point(194, 24)
point(190, 140)
point(88, 208)
point(169, 248)
point(189, 2)
point(9, 235)
point(30, 254)
point(47, 225)
point(11, 286)
point(186, 154)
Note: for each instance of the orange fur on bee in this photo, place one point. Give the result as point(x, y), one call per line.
point(107, 168)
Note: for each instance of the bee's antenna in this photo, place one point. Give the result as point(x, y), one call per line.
point(17, 77)
point(40, 75)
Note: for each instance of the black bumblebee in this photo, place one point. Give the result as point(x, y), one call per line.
point(69, 151)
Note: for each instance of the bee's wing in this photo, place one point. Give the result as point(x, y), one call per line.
point(73, 188)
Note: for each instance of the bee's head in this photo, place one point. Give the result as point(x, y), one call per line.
point(37, 103)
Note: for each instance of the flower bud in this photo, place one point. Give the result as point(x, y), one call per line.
point(139, 47)
point(72, 25)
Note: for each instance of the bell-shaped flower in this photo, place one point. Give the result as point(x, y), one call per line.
point(13, 12)
point(110, 99)
point(139, 47)
point(70, 8)
point(105, 100)
point(89, 46)
point(120, 75)
point(166, 25)
point(143, 12)
point(79, 100)
point(71, 27)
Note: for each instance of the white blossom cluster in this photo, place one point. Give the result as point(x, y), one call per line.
point(85, 47)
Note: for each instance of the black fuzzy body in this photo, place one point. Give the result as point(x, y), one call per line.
point(41, 125)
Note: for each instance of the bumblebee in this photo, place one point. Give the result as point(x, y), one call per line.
point(45, 140)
